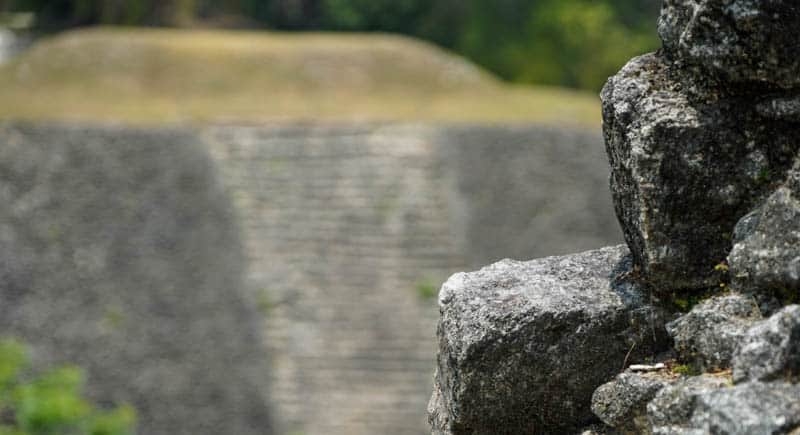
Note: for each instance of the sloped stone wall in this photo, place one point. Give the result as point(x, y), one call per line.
point(346, 226)
point(347, 234)
point(120, 253)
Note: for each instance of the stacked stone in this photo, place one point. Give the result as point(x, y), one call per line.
point(703, 141)
point(703, 138)
point(701, 132)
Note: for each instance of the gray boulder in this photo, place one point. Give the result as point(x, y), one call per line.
point(119, 253)
point(688, 161)
point(765, 258)
point(741, 41)
point(709, 405)
point(522, 345)
point(673, 406)
point(771, 349)
point(622, 403)
point(709, 334)
point(747, 409)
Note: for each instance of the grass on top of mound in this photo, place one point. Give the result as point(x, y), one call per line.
point(149, 76)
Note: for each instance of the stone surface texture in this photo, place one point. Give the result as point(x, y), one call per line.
point(341, 226)
point(622, 403)
point(710, 333)
point(742, 41)
point(765, 258)
point(770, 350)
point(746, 409)
point(120, 253)
point(688, 160)
point(524, 344)
point(703, 139)
point(780, 108)
point(671, 409)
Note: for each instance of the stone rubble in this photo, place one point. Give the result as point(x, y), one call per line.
point(742, 41)
point(770, 350)
point(622, 403)
point(686, 167)
point(709, 334)
point(765, 258)
point(671, 409)
point(703, 139)
point(509, 334)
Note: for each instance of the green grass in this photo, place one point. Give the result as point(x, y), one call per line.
point(427, 290)
point(139, 76)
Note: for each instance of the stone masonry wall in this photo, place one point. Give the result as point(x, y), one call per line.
point(345, 226)
point(349, 230)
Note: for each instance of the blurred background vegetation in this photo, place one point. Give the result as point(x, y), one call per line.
point(51, 403)
point(571, 43)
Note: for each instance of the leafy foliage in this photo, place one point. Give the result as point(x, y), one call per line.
point(51, 403)
point(576, 43)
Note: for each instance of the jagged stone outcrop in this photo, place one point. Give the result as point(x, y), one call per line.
point(765, 258)
point(742, 41)
point(703, 140)
point(622, 403)
point(671, 409)
point(709, 334)
point(688, 160)
point(524, 344)
point(766, 365)
point(770, 350)
point(746, 409)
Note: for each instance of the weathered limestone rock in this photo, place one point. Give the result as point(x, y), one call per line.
point(672, 408)
point(622, 403)
point(688, 160)
point(522, 345)
point(699, 135)
point(709, 404)
point(746, 409)
point(739, 40)
point(710, 333)
point(765, 257)
point(771, 349)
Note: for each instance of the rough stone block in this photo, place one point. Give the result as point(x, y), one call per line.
point(672, 408)
point(771, 349)
point(741, 41)
point(522, 345)
point(622, 403)
point(687, 162)
point(707, 404)
point(709, 334)
point(751, 408)
point(765, 258)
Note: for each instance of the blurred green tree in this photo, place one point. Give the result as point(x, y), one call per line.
point(576, 43)
point(58, 14)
